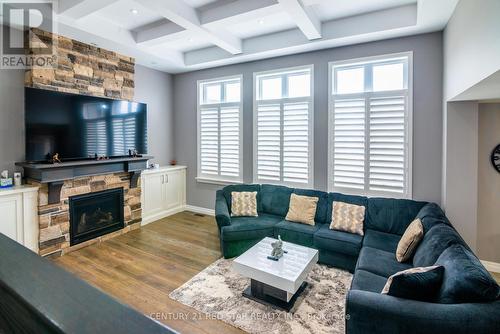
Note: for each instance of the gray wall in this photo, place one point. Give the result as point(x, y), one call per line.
point(153, 87)
point(156, 89)
point(427, 111)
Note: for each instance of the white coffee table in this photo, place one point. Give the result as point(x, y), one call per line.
point(276, 283)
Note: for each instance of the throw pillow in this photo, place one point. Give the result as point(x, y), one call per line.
point(422, 283)
point(302, 209)
point(465, 278)
point(409, 241)
point(244, 203)
point(347, 217)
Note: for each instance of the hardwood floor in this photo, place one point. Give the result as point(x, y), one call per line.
point(142, 267)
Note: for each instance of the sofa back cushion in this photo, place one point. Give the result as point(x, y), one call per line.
point(465, 279)
point(391, 215)
point(430, 215)
point(275, 199)
point(239, 188)
point(435, 241)
point(322, 207)
point(350, 199)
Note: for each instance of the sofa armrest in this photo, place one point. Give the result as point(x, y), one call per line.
point(222, 215)
point(369, 312)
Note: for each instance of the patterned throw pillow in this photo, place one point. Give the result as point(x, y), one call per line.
point(348, 217)
point(244, 203)
point(302, 209)
point(422, 283)
point(410, 240)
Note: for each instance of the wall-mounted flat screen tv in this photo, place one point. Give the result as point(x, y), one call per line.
point(79, 126)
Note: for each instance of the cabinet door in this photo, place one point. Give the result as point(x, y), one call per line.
point(154, 194)
point(11, 223)
point(174, 189)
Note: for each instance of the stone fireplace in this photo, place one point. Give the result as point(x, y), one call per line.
point(55, 225)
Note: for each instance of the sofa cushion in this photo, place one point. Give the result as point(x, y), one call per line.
point(227, 190)
point(367, 281)
point(465, 278)
point(295, 232)
point(337, 241)
point(348, 217)
point(391, 215)
point(420, 283)
point(409, 241)
point(322, 207)
point(435, 241)
point(430, 215)
point(244, 204)
point(302, 209)
point(380, 240)
point(379, 262)
point(275, 199)
point(338, 197)
point(245, 228)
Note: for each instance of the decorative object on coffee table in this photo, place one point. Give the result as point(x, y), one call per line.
point(278, 283)
point(277, 252)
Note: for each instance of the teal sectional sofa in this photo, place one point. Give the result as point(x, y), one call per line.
point(468, 301)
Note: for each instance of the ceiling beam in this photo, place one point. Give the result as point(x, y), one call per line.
point(305, 19)
point(185, 16)
point(77, 9)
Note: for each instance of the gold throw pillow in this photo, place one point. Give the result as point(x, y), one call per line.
point(348, 217)
point(244, 203)
point(302, 209)
point(409, 241)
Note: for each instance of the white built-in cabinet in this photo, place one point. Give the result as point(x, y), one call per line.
point(19, 215)
point(163, 192)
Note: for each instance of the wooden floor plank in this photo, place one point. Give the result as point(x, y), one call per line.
point(141, 268)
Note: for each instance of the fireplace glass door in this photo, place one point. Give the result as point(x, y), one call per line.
point(95, 214)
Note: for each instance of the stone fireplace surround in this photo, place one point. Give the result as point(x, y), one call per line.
point(54, 219)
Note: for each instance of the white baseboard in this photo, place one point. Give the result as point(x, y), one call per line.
point(491, 266)
point(198, 209)
point(149, 219)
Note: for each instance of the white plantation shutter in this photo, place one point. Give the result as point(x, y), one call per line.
point(387, 144)
point(209, 141)
point(97, 138)
point(269, 142)
point(370, 131)
point(349, 143)
point(219, 131)
point(296, 142)
point(283, 127)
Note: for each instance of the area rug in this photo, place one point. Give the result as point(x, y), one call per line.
point(216, 291)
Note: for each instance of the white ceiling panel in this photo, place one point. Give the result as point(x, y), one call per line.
point(183, 35)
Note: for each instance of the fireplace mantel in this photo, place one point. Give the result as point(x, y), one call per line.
point(55, 174)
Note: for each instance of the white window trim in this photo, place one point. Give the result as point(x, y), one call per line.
point(310, 67)
point(221, 180)
point(409, 128)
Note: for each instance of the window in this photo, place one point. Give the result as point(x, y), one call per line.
point(283, 123)
point(370, 122)
point(219, 130)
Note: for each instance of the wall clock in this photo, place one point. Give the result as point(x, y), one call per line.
point(495, 158)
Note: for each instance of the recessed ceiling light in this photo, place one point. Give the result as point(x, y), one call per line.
point(134, 11)
point(261, 21)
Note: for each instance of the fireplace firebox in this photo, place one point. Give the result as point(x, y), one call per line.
point(95, 214)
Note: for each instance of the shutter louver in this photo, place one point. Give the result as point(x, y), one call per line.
point(296, 142)
point(349, 143)
point(209, 141)
point(229, 141)
point(387, 144)
point(97, 139)
point(269, 142)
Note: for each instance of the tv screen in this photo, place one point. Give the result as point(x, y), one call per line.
point(79, 126)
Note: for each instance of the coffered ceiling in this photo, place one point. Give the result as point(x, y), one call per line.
point(183, 35)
